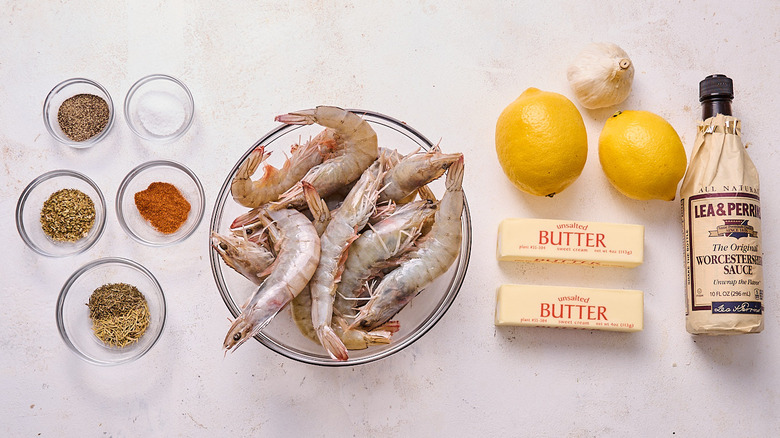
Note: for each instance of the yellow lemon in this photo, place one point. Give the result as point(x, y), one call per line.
point(642, 155)
point(541, 142)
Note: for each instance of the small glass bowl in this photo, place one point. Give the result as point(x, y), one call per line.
point(159, 108)
point(65, 90)
point(30, 204)
point(137, 180)
point(73, 320)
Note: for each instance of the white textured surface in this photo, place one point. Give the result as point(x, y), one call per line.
point(448, 69)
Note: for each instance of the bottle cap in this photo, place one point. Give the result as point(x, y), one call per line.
point(716, 87)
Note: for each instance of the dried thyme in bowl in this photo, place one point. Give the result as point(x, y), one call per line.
point(119, 314)
point(68, 215)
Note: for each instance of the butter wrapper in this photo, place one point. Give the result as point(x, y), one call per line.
point(570, 242)
point(570, 307)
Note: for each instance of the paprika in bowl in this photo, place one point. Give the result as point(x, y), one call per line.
point(160, 203)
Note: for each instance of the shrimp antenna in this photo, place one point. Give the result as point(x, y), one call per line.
point(354, 298)
point(384, 187)
point(381, 241)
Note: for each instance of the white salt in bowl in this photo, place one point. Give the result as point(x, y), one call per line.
point(159, 108)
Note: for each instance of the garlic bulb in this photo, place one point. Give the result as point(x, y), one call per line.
point(601, 75)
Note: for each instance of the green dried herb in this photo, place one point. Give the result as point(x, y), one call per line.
point(119, 314)
point(68, 215)
point(83, 116)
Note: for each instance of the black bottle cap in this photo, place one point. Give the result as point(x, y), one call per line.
point(716, 87)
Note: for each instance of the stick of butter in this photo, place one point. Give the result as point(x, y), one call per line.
point(571, 242)
point(572, 307)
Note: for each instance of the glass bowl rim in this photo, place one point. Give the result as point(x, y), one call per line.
point(447, 300)
point(75, 276)
point(21, 229)
point(129, 98)
point(64, 140)
point(120, 194)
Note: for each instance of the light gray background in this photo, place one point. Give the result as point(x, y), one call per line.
point(447, 69)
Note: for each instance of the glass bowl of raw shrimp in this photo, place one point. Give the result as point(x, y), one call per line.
point(282, 335)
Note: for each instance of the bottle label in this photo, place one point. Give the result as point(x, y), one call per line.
point(723, 252)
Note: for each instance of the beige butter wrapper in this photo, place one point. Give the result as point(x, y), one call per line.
point(569, 307)
point(570, 242)
point(721, 217)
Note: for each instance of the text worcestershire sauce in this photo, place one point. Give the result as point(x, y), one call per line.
point(721, 217)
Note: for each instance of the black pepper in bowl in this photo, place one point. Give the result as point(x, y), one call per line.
point(83, 116)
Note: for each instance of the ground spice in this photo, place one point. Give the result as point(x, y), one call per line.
point(163, 205)
point(119, 314)
point(83, 116)
point(67, 215)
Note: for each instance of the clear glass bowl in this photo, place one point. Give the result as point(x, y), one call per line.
point(282, 335)
point(159, 108)
point(137, 180)
point(73, 320)
point(30, 204)
point(65, 90)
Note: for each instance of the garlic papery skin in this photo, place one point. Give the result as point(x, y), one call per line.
point(601, 75)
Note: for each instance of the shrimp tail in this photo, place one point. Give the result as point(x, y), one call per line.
point(332, 343)
point(378, 337)
point(382, 334)
point(289, 197)
point(253, 161)
point(246, 218)
point(241, 185)
point(426, 194)
point(317, 206)
point(454, 179)
point(305, 117)
point(389, 326)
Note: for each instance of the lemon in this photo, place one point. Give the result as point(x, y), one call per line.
point(541, 142)
point(642, 155)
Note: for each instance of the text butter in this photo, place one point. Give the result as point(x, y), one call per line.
point(570, 307)
point(571, 242)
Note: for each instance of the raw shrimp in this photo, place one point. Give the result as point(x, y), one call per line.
point(246, 256)
point(413, 171)
point(275, 181)
point(297, 254)
point(353, 339)
point(342, 230)
point(434, 255)
point(375, 249)
point(356, 148)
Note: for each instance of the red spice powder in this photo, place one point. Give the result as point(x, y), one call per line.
point(163, 205)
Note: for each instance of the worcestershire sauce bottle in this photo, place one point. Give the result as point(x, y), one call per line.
point(721, 218)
